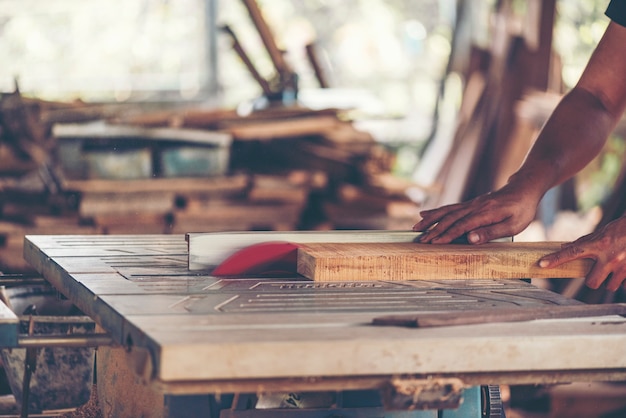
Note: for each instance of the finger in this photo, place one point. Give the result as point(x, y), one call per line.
point(580, 241)
point(441, 234)
point(616, 280)
point(597, 275)
point(423, 225)
point(474, 225)
point(431, 217)
point(491, 232)
point(567, 253)
point(442, 225)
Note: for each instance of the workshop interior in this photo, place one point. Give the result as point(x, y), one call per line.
point(206, 211)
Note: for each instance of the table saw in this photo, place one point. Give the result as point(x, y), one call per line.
point(185, 333)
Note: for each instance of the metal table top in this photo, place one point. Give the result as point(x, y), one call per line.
point(188, 331)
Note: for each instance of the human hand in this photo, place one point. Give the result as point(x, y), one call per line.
point(607, 247)
point(505, 212)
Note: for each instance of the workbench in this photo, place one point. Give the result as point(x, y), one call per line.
point(185, 332)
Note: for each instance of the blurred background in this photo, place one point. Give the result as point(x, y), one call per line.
point(161, 116)
point(389, 60)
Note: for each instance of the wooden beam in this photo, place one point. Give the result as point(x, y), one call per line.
point(489, 316)
point(412, 261)
point(266, 36)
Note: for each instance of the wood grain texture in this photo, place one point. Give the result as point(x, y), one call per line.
point(412, 261)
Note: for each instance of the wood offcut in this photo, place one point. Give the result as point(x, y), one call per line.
point(412, 261)
point(486, 316)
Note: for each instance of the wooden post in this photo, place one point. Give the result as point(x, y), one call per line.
point(266, 36)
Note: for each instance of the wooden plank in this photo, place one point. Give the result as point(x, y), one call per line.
point(488, 316)
point(244, 213)
point(243, 56)
point(223, 119)
point(97, 130)
point(132, 223)
point(140, 203)
point(208, 185)
point(266, 36)
point(278, 191)
point(314, 61)
point(412, 261)
point(353, 217)
point(317, 125)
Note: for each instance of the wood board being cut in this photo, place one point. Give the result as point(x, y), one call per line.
point(412, 261)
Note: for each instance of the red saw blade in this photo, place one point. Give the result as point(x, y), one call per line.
point(266, 258)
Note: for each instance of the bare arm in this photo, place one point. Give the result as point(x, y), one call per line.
point(573, 135)
point(580, 125)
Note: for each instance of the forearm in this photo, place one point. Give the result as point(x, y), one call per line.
point(581, 123)
point(573, 135)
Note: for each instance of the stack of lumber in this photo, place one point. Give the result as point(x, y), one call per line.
point(153, 206)
point(27, 208)
point(12, 238)
point(24, 141)
point(381, 203)
point(359, 191)
point(289, 168)
point(28, 200)
point(233, 202)
point(270, 202)
point(25, 124)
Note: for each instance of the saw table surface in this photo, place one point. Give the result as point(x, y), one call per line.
point(202, 333)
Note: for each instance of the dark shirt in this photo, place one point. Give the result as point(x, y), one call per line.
point(617, 11)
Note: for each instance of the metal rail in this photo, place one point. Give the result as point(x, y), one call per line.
point(72, 341)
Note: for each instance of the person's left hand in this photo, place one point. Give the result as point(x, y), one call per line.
point(607, 247)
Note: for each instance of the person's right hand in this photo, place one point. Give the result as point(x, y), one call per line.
point(502, 213)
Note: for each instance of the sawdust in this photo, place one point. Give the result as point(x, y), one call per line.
point(89, 410)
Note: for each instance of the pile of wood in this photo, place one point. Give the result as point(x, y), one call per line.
point(29, 200)
point(290, 168)
point(25, 142)
point(25, 125)
point(351, 185)
point(179, 205)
